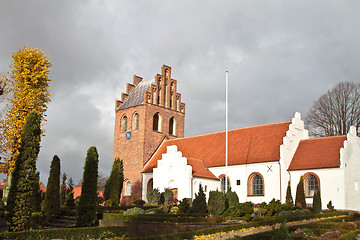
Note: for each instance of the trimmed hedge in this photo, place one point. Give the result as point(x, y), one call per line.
point(272, 221)
point(177, 218)
point(63, 233)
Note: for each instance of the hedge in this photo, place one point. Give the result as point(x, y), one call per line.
point(272, 221)
point(63, 233)
point(178, 218)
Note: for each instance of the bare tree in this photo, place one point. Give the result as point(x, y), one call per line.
point(335, 111)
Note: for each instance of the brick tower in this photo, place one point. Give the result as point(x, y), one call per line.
point(149, 112)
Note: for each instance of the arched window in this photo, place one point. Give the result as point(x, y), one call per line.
point(128, 188)
point(172, 126)
point(135, 122)
point(223, 183)
point(150, 184)
point(255, 185)
point(156, 122)
point(123, 124)
point(312, 184)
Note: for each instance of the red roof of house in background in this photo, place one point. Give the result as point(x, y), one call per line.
point(77, 192)
point(318, 153)
point(246, 145)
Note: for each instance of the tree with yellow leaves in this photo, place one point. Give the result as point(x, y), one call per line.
point(28, 86)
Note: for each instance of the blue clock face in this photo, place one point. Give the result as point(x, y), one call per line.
point(128, 135)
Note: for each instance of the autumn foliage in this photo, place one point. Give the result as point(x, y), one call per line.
point(28, 87)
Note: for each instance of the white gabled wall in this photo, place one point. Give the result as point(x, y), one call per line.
point(350, 162)
point(146, 177)
point(207, 185)
point(291, 141)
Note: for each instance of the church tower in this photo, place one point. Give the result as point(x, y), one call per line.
point(149, 112)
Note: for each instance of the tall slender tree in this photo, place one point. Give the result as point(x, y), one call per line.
point(24, 175)
point(36, 195)
point(114, 184)
point(63, 188)
point(88, 200)
point(300, 194)
point(28, 84)
point(288, 199)
point(52, 196)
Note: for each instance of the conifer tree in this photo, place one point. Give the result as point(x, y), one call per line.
point(52, 196)
point(71, 184)
point(69, 200)
point(24, 175)
point(29, 85)
point(300, 194)
point(216, 203)
point(36, 195)
point(114, 184)
point(288, 199)
point(63, 190)
point(199, 203)
point(317, 202)
point(88, 200)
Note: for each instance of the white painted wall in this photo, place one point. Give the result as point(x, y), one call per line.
point(207, 185)
point(146, 177)
point(291, 141)
point(242, 173)
point(331, 186)
point(350, 162)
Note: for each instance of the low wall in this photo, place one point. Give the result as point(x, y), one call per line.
point(139, 229)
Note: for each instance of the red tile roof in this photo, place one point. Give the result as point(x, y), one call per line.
point(318, 153)
point(199, 169)
point(246, 145)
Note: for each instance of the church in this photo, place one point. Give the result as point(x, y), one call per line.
point(262, 160)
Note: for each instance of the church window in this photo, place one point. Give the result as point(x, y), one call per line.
point(255, 185)
point(135, 122)
point(172, 126)
point(311, 184)
point(123, 124)
point(156, 122)
point(150, 185)
point(128, 188)
point(224, 183)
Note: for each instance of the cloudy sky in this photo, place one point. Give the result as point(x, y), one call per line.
point(281, 56)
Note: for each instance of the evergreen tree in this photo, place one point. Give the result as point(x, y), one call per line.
point(36, 195)
point(69, 200)
point(300, 194)
point(71, 184)
point(216, 203)
point(52, 196)
point(317, 202)
point(24, 175)
point(199, 203)
point(288, 199)
point(63, 190)
point(114, 184)
point(232, 199)
point(88, 199)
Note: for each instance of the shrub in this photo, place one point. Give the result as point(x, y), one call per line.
point(184, 206)
point(300, 194)
point(153, 196)
point(354, 216)
point(139, 203)
point(167, 195)
point(246, 208)
point(274, 207)
point(156, 210)
point(216, 203)
point(232, 212)
point(172, 201)
point(174, 210)
point(69, 200)
point(134, 211)
point(334, 234)
point(283, 232)
point(232, 199)
point(330, 206)
point(346, 226)
point(199, 203)
point(52, 195)
point(288, 214)
point(317, 202)
point(107, 234)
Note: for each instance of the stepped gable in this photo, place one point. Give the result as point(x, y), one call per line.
point(246, 145)
point(318, 153)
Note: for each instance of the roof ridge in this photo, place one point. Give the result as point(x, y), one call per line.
point(232, 130)
point(321, 138)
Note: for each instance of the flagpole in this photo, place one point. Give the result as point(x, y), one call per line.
point(226, 132)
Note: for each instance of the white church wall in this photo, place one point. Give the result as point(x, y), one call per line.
point(291, 141)
point(271, 175)
point(173, 172)
point(146, 177)
point(207, 185)
point(331, 185)
point(350, 161)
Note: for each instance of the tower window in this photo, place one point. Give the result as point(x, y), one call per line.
point(156, 122)
point(123, 124)
point(135, 122)
point(128, 188)
point(172, 126)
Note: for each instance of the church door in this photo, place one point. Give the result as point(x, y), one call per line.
point(175, 192)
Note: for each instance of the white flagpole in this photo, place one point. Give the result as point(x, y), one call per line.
point(226, 141)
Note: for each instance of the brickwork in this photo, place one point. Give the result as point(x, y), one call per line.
point(160, 98)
